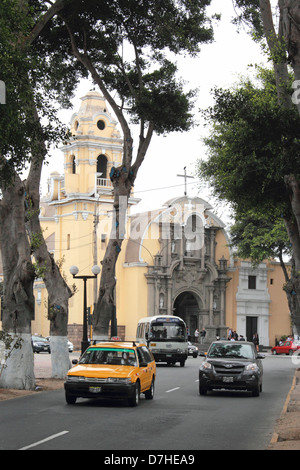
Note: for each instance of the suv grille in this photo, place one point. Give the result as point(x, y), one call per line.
point(232, 370)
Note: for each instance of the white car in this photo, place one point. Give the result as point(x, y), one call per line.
point(70, 345)
point(192, 350)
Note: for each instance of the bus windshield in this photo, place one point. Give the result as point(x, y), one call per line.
point(166, 331)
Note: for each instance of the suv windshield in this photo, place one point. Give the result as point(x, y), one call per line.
point(233, 349)
point(112, 356)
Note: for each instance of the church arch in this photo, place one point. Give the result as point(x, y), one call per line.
point(187, 305)
point(102, 165)
point(212, 270)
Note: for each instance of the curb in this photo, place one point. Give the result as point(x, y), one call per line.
point(287, 430)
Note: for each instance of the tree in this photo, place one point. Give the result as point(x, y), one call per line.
point(30, 82)
point(140, 85)
point(253, 144)
point(283, 48)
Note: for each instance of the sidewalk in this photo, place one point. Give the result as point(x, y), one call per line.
point(42, 364)
point(287, 431)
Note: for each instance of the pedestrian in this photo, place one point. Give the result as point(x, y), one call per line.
point(196, 334)
point(255, 340)
point(242, 338)
point(202, 335)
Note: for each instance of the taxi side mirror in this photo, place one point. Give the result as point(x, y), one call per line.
point(75, 361)
point(143, 364)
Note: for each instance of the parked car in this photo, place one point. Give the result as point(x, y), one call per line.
point(231, 365)
point(70, 345)
point(40, 344)
point(288, 347)
point(112, 370)
point(192, 350)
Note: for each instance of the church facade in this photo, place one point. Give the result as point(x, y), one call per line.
point(175, 260)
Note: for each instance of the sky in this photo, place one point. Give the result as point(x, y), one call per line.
point(219, 64)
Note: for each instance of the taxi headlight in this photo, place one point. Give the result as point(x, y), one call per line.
point(119, 380)
point(75, 378)
point(252, 367)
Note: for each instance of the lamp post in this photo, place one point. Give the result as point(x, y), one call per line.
point(74, 270)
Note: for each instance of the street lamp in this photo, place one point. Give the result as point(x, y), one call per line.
point(74, 270)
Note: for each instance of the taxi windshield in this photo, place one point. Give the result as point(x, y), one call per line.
point(111, 356)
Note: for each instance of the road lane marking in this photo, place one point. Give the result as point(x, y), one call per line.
point(54, 436)
point(172, 389)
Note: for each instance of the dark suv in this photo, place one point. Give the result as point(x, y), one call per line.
point(231, 365)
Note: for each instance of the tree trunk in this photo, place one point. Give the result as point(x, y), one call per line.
point(106, 301)
point(58, 291)
point(293, 228)
point(18, 309)
point(288, 38)
point(290, 20)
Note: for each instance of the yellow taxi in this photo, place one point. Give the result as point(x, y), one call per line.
point(112, 370)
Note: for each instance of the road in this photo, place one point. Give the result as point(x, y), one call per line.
point(177, 419)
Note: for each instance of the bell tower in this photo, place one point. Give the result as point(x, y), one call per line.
point(94, 148)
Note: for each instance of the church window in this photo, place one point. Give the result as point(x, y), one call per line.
point(73, 165)
point(251, 282)
point(68, 241)
point(101, 124)
point(102, 165)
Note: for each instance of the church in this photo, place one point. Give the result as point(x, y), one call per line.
point(175, 259)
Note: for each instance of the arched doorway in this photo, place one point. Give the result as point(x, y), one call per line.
point(186, 306)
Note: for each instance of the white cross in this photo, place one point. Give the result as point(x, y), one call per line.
point(185, 176)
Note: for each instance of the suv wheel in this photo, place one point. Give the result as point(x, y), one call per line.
point(256, 392)
point(202, 391)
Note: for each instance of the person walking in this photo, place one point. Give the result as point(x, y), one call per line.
point(196, 334)
point(255, 340)
point(202, 335)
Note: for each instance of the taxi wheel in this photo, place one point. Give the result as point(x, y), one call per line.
point(149, 394)
point(135, 398)
point(70, 399)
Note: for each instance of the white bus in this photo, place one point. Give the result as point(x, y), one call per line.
point(166, 337)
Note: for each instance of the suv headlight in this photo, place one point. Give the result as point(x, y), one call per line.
point(206, 365)
point(119, 380)
point(252, 367)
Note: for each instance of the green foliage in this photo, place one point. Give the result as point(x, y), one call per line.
point(259, 236)
point(128, 43)
point(33, 89)
point(248, 13)
point(253, 144)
